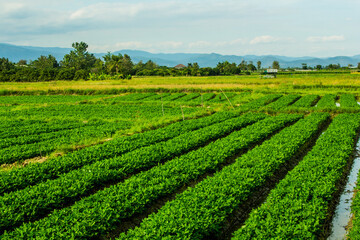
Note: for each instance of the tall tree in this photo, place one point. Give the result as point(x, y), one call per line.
point(44, 62)
point(258, 65)
point(5, 64)
point(243, 65)
point(150, 65)
point(22, 62)
point(333, 66)
point(127, 65)
point(275, 65)
point(116, 64)
point(112, 63)
point(79, 58)
point(251, 67)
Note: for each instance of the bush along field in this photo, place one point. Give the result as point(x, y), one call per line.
point(182, 165)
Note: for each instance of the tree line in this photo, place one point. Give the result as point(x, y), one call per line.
point(80, 64)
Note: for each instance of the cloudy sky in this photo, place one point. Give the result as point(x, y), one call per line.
point(320, 28)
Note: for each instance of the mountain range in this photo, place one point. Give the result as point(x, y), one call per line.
point(15, 53)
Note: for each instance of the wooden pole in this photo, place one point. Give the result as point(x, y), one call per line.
point(202, 102)
point(162, 106)
point(227, 98)
point(39, 150)
point(182, 112)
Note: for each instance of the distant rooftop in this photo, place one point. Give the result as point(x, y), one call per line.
point(180, 66)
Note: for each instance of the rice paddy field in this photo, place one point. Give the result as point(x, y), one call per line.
point(181, 158)
point(289, 83)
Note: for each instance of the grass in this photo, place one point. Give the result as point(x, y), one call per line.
point(297, 83)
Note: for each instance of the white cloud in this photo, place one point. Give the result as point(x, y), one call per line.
point(207, 44)
point(234, 42)
point(263, 39)
point(138, 45)
point(334, 38)
point(237, 41)
point(11, 7)
point(167, 46)
point(171, 44)
point(89, 15)
point(199, 44)
point(108, 10)
point(271, 39)
point(182, 25)
point(132, 45)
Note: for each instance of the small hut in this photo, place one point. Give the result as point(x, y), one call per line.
point(180, 66)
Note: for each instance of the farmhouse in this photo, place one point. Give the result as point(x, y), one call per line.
point(180, 66)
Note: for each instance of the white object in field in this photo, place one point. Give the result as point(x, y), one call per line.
point(270, 70)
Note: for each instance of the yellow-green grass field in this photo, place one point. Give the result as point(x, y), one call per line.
point(297, 83)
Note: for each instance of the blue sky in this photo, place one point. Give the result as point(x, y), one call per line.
point(283, 27)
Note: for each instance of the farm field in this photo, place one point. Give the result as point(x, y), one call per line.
point(289, 83)
point(253, 164)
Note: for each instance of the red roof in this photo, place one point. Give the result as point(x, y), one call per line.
point(180, 66)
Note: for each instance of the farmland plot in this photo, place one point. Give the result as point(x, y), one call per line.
point(272, 168)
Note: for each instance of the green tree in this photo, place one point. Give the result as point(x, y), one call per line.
point(358, 65)
point(194, 70)
point(127, 65)
point(79, 58)
point(112, 63)
point(333, 66)
point(304, 66)
point(118, 64)
point(258, 65)
point(22, 62)
point(150, 65)
point(5, 64)
point(98, 66)
point(243, 65)
point(44, 62)
point(251, 67)
point(275, 65)
point(318, 67)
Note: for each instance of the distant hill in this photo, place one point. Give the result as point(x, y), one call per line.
point(15, 53)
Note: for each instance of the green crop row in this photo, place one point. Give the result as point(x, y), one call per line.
point(36, 99)
point(23, 128)
point(220, 97)
point(327, 101)
point(15, 153)
point(157, 97)
point(200, 211)
point(258, 103)
point(348, 101)
point(52, 168)
point(98, 111)
point(33, 202)
point(11, 125)
point(298, 206)
point(205, 97)
point(49, 132)
point(306, 101)
point(188, 97)
point(174, 96)
point(282, 102)
point(103, 211)
point(131, 97)
point(354, 231)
